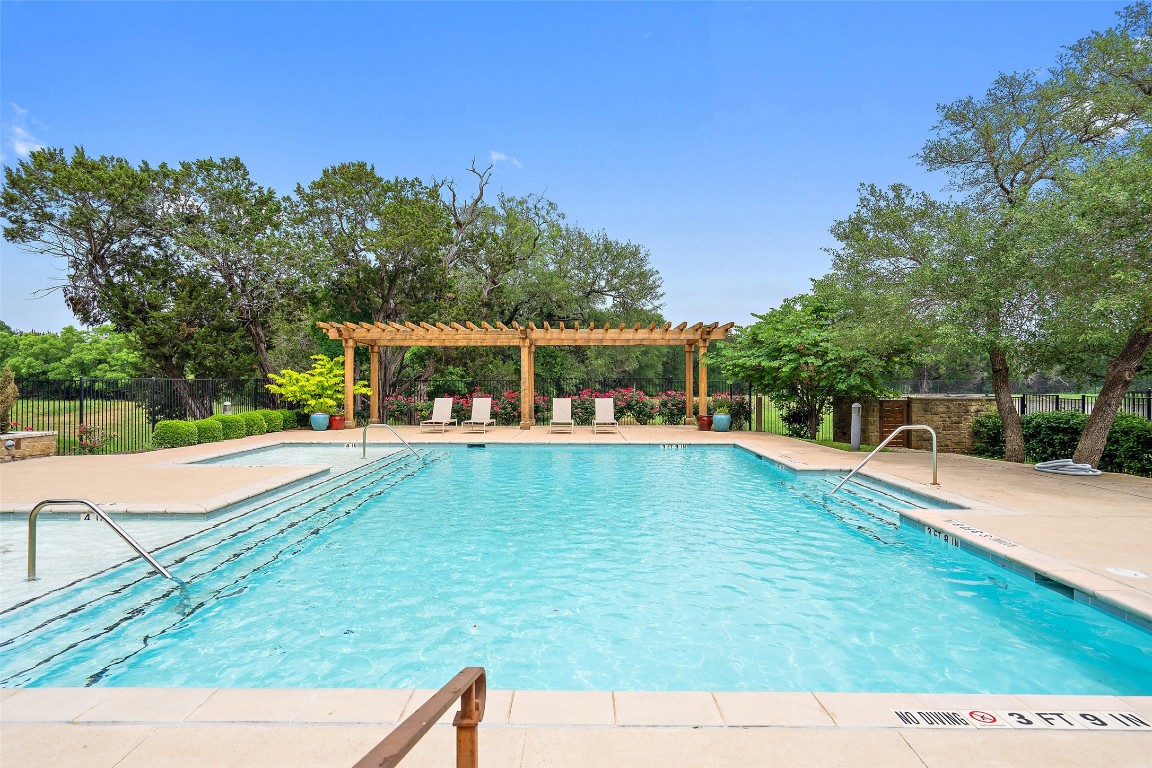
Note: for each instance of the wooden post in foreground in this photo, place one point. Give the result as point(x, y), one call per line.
point(374, 382)
point(688, 350)
point(527, 383)
point(349, 378)
point(703, 404)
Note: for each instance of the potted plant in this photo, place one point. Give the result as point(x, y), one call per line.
point(721, 419)
point(319, 391)
point(704, 423)
point(336, 420)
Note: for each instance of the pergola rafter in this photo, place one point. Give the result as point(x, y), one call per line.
point(694, 339)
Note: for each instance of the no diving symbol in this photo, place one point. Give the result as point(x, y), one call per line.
point(982, 717)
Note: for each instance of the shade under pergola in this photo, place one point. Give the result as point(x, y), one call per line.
point(694, 339)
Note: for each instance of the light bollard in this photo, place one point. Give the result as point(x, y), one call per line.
point(857, 410)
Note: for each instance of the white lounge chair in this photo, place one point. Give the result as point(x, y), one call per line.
point(441, 414)
point(481, 414)
point(605, 414)
point(561, 414)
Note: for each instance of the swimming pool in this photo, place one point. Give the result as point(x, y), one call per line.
point(626, 568)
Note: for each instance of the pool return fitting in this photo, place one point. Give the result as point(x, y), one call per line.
point(100, 514)
point(876, 450)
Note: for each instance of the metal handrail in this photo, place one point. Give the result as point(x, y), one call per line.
point(470, 687)
point(898, 430)
point(99, 513)
point(364, 440)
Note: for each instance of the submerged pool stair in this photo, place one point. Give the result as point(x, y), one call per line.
point(144, 608)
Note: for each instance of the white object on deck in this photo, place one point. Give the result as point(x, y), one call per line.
point(481, 414)
point(1067, 467)
point(441, 414)
point(561, 414)
point(605, 414)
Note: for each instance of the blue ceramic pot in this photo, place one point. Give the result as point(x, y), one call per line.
point(319, 421)
point(721, 421)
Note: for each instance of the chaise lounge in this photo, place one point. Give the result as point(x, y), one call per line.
point(605, 415)
point(481, 414)
point(561, 414)
point(441, 414)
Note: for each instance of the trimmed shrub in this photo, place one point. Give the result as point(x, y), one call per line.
point(232, 425)
point(290, 419)
point(273, 420)
point(174, 434)
point(253, 423)
point(208, 430)
point(1054, 435)
point(988, 436)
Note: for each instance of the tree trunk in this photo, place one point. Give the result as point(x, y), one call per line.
point(815, 414)
point(1009, 416)
point(1118, 377)
point(260, 344)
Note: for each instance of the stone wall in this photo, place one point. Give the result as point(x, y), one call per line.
point(950, 415)
point(27, 445)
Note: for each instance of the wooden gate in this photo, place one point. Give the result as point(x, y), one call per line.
point(893, 414)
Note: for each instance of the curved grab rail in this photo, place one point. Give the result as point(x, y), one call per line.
point(99, 513)
point(898, 430)
point(470, 687)
point(364, 440)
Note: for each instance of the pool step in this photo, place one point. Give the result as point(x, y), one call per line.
point(126, 603)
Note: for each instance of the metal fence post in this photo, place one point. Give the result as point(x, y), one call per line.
point(81, 399)
point(1023, 406)
point(1148, 405)
point(1083, 403)
point(152, 401)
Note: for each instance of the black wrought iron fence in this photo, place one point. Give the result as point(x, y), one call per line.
point(1135, 403)
point(118, 415)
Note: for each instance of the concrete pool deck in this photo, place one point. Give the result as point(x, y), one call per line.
point(1069, 529)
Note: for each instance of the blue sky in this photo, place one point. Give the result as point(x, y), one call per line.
point(725, 138)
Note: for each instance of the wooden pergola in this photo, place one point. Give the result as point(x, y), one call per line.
point(694, 339)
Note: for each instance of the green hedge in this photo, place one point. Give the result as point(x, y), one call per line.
point(174, 434)
point(253, 423)
point(291, 419)
point(274, 420)
point(208, 430)
point(1052, 435)
point(233, 425)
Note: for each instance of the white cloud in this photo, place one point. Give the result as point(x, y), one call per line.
point(500, 157)
point(19, 136)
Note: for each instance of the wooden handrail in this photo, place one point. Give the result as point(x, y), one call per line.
point(470, 687)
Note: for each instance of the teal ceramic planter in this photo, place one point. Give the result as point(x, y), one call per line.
point(319, 421)
point(721, 421)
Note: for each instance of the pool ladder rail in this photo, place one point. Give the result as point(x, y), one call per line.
point(364, 441)
point(876, 450)
point(100, 514)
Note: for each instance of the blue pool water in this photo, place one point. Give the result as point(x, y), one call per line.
point(626, 568)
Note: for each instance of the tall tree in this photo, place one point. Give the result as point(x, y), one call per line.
point(225, 224)
point(997, 149)
point(380, 244)
point(101, 217)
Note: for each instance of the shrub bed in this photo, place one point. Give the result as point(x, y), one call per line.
point(1055, 434)
point(174, 434)
point(273, 420)
point(208, 430)
point(253, 423)
point(232, 425)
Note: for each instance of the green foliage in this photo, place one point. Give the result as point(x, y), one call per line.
point(174, 434)
point(289, 419)
point(232, 425)
point(738, 407)
point(273, 420)
point(9, 394)
point(1052, 435)
point(318, 390)
point(208, 430)
point(99, 352)
point(253, 423)
point(988, 436)
point(792, 354)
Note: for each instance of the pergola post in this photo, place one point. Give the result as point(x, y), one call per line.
point(374, 382)
point(689, 350)
point(349, 378)
point(703, 404)
point(527, 383)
